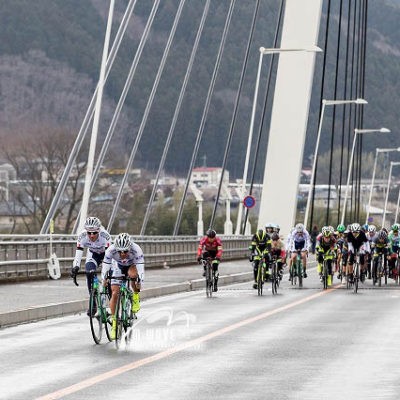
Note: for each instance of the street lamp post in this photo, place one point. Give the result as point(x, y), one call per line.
point(263, 51)
point(392, 164)
point(373, 177)
point(356, 131)
point(324, 103)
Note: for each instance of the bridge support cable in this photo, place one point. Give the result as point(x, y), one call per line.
point(146, 111)
point(363, 42)
point(334, 109)
point(266, 97)
point(121, 101)
point(328, 16)
point(344, 113)
point(204, 116)
point(235, 109)
point(351, 125)
point(176, 115)
point(88, 117)
point(357, 119)
point(96, 120)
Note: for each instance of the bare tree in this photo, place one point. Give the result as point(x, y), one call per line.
point(39, 158)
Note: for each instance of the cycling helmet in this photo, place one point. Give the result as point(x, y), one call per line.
point(372, 228)
point(261, 234)
point(92, 223)
point(365, 227)
point(123, 242)
point(331, 228)
point(341, 228)
point(299, 228)
point(356, 228)
point(211, 233)
point(382, 234)
point(275, 236)
point(326, 231)
point(395, 227)
point(277, 228)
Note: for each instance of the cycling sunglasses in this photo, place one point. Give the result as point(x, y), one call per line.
point(92, 233)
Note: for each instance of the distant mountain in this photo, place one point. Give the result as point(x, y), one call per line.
point(50, 53)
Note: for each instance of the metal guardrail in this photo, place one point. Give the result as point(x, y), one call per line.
point(26, 256)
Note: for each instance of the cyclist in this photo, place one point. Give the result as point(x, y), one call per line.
point(371, 236)
point(394, 240)
point(326, 248)
point(357, 240)
point(299, 241)
point(269, 228)
point(342, 247)
point(381, 246)
point(124, 257)
point(278, 251)
point(211, 247)
point(260, 247)
point(97, 240)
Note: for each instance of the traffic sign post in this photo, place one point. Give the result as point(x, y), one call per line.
point(249, 201)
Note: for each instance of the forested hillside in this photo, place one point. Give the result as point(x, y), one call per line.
point(50, 53)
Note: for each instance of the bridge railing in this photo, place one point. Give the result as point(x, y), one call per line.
point(25, 256)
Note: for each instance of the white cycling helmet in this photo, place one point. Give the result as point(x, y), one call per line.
point(372, 228)
point(269, 225)
point(355, 227)
point(123, 242)
point(299, 228)
point(92, 223)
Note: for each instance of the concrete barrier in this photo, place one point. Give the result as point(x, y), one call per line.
point(46, 311)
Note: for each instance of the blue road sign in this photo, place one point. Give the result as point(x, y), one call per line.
point(249, 201)
point(370, 219)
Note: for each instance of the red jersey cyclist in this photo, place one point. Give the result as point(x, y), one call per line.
point(211, 247)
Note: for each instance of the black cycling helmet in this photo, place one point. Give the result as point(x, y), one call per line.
point(275, 236)
point(211, 233)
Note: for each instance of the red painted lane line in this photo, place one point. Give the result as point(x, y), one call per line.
point(128, 367)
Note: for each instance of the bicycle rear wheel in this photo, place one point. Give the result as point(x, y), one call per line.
point(300, 273)
point(96, 323)
point(106, 315)
point(260, 279)
point(209, 282)
point(273, 278)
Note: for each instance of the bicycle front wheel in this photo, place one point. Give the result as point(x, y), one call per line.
point(96, 323)
point(209, 282)
point(356, 277)
point(260, 280)
point(300, 273)
point(119, 319)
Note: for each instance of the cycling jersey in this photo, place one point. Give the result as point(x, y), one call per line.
point(326, 245)
point(98, 247)
point(299, 242)
point(261, 243)
point(394, 241)
point(214, 247)
point(121, 265)
point(360, 242)
point(379, 244)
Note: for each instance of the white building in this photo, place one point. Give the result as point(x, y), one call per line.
point(209, 176)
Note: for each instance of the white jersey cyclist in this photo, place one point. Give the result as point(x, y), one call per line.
point(119, 266)
point(125, 258)
point(96, 239)
point(99, 246)
point(299, 241)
